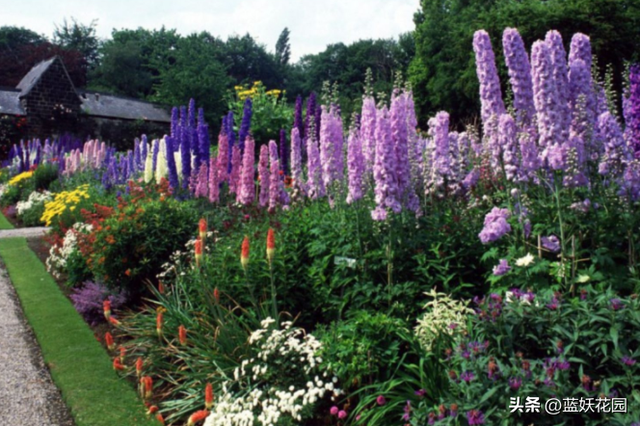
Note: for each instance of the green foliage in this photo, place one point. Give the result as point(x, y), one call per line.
point(524, 348)
point(44, 175)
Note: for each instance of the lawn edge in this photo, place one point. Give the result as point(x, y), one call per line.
point(78, 364)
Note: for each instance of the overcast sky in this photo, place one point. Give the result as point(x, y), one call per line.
point(313, 24)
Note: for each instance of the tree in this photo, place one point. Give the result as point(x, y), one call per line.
point(247, 61)
point(197, 74)
point(283, 48)
point(443, 72)
point(79, 37)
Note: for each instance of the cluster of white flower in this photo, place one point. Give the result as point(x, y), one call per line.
point(57, 260)
point(444, 315)
point(283, 380)
point(35, 199)
point(3, 188)
point(179, 258)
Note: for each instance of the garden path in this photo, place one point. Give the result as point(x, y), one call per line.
point(27, 394)
point(24, 232)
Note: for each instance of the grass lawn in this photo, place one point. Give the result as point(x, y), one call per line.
point(79, 365)
point(4, 223)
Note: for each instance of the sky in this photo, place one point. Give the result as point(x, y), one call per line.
point(313, 24)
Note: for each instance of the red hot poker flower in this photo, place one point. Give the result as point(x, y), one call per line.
point(202, 228)
point(198, 416)
point(139, 366)
point(208, 396)
point(159, 323)
point(117, 365)
point(123, 352)
point(271, 245)
point(160, 418)
point(198, 249)
point(244, 257)
point(216, 294)
point(106, 307)
point(113, 321)
point(182, 335)
point(108, 338)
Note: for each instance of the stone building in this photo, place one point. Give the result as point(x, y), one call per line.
point(52, 106)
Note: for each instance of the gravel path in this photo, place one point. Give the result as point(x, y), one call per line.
point(27, 394)
point(24, 232)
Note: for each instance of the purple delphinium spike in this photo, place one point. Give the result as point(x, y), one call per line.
point(136, 154)
point(327, 157)
point(223, 157)
point(545, 99)
point(214, 187)
point(185, 155)
point(234, 176)
point(203, 138)
point(175, 122)
point(507, 139)
point(246, 192)
point(231, 137)
point(156, 148)
point(245, 125)
point(337, 137)
point(355, 165)
point(580, 49)
point(632, 116)
point(519, 67)
point(297, 117)
point(582, 104)
point(384, 168)
point(263, 174)
point(399, 137)
point(171, 164)
point(311, 113)
point(631, 180)
point(440, 158)
point(284, 152)
point(315, 184)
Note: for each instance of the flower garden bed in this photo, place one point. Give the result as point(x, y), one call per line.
point(379, 276)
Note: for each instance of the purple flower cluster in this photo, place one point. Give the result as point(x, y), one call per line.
point(551, 243)
point(355, 166)
point(386, 186)
point(246, 192)
point(517, 61)
point(88, 301)
point(501, 268)
point(632, 116)
point(495, 225)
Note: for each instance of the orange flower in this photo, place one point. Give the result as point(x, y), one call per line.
point(159, 323)
point(271, 245)
point(114, 322)
point(117, 365)
point(110, 239)
point(152, 410)
point(160, 287)
point(147, 384)
point(198, 416)
point(160, 418)
point(244, 257)
point(182, 335)
point(216, 295)
point(139, 365)
point(123, 352)
point(208, 396)
point(202, 228)
point(108, 338)
point(198, 248)
point(128, 272)
point(106, 307)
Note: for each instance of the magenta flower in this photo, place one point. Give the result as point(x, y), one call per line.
point(467, 376)
point(381, 400)
point(334, 410)
point(515, 383)
point(616, 304)
point(342, 414)
point(475, 417)
point(263, 174)
point(628, 360)
point(247, 190)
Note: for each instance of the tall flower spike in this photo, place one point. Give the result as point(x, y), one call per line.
point(202, 229)
point(490, 92)
point(519, 67)
point(159, 322)
point(198, 416)
point(106, 308)
point(234, 176)
point(139, 366)
point(296, 159)
point(108, 339)
point(214, 187)
point(263, 175)
point(355, 165)
point(198, 252)
point(271, 246)
point(223, 157)
point(560, 78)
point(246, 192)
point(384, 170)
point(244, 256)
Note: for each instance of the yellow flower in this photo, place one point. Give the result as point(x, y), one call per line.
point(19, 178)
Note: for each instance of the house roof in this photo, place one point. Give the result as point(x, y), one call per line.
point(111, 106)
point(32, 77)
point(10, 102)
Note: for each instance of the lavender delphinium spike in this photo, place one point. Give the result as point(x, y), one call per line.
point(234, 176)
point(144, 149)
point(202, 186)
point(296, 161)
point(274, 178)
point(136, 154)
point(415, 143)
point(492, 104)
point(246, 192)
point(310, 118)
point(264, 176)
point(582, 104)
point(546, 100)
point(214, 187)
point(156, 147)
point(399, 137)
point(440, 155)
point(507, 138)
point(175, 122)
point(245, 125)
point(315, 184)
point(337, 138)
point(560, 75)
point(519, 67)
point(297, 117)
point(231, 137)
point(185, 155)
point(355, 165)
point(327, 157)
point(581, 49)
point(616, 154)
point(367, 132)
point(384, 169)
point(318, 117)
point(632, 116)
